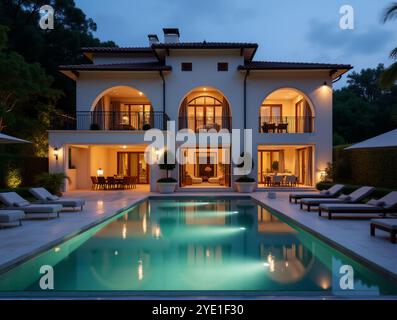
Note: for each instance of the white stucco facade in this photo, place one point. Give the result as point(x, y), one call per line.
point(166, 90)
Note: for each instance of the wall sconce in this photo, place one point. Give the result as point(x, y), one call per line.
point(56, 153)
point(325, 83)
point(99, 172)
point(323, 174)
point(157, 153)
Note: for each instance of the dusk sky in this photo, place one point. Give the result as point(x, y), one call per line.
point(286, 30)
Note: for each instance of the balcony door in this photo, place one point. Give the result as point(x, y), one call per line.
point(271, 113)
point(303, 117)
point(133, 164)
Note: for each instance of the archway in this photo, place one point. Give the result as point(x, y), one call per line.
point(205, 108)
point(286, 110)
point(121, 108)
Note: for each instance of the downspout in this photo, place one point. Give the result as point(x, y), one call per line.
point(162, 77)
point(245, 99)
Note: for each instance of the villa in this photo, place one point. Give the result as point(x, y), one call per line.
point(124, 92)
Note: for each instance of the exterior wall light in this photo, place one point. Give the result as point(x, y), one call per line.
point(325, 83)
point(99, 172)
point(56, 153)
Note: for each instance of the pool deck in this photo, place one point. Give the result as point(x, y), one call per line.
point(350, 235)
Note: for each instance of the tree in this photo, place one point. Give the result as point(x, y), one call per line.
point(26, 96)
point(389, 76)
point(363, 109)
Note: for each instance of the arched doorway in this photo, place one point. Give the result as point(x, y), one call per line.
point(205, 108)
point(286, 110)
point(121, 108)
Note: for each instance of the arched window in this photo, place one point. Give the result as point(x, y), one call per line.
point(202, 110)
point(286, 111)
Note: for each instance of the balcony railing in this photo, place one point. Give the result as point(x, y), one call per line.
point(109, 120)
point(196, 124)
point(290, 124)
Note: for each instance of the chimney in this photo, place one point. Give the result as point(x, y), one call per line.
point(171, 35)
point(153, 39)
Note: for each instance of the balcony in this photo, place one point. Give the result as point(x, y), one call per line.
point(112, 120)
point(289, 124)
point(196, 123)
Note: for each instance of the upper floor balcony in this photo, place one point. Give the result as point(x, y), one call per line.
point(286, 111)
point(112, 120)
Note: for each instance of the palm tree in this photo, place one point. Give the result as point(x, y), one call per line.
point(389, 76)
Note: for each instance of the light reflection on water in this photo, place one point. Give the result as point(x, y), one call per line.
point(195, 245)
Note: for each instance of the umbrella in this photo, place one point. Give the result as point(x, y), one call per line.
point(9, 139)
point(388, 139)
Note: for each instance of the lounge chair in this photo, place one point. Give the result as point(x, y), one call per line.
point(45, 197)
point(387, 204)
point(353, 197)
point(8, 217)
point(13, 201)
point(388, 225)
point(330, 193)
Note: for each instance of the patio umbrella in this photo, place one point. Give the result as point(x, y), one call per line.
point(9, 139)
point(386, 140)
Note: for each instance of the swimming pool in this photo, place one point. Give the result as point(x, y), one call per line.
point(199, 245)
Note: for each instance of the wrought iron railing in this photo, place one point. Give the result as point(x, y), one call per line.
point(289, 124)
point(112, 120)
point(197, 123)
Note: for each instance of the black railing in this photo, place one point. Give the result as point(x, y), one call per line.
point(196, 123)
point(113, 120)
point(290, 124)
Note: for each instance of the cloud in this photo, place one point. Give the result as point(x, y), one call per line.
point(327, 35)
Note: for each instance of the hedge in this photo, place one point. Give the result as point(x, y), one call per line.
point(28, 166)
point(373, 167)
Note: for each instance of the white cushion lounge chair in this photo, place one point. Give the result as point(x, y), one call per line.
point(388, 225)
point(330, 193)
point(387, 204)
point(353, 197)
point(9, 217)
point(12, 201)
point(45, 197)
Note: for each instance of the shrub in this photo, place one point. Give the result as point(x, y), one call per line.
point(95, 126)
point(13, 178)
point(53, 182)
point(165, 164)
point(166, 180)
point(245, 179)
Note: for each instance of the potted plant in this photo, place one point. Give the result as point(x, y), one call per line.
point(167, 184)
point(53, 182)
point(245, 184)
point(275, 166)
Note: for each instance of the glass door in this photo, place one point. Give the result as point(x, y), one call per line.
point(133, 164)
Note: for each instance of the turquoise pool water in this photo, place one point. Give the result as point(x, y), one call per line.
point(198, 245)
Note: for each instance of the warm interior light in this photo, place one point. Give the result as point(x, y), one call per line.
point(205, 89)
point(99, 172)
point(140, 93)
point(124, 147)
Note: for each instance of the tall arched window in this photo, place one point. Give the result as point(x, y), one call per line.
point(204, 111)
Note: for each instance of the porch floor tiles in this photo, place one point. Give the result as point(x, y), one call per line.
point(34, 235)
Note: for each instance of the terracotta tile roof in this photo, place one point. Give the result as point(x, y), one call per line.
point(145, 66)
point(116, 50)
point(205, 45)
point(274, 65)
